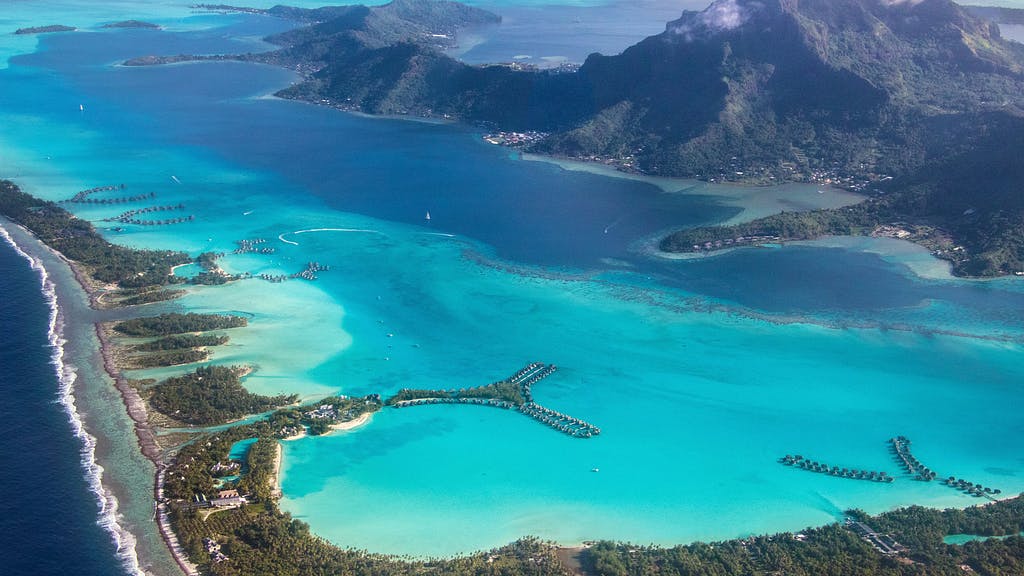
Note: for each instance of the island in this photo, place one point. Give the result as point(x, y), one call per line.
point(785, 92)
point(131, 24)
point(750, 118)
point(45, 29)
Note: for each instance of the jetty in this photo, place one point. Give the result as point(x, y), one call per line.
point(900, 446)
point(86, 197)
point(130, 214)
point(118, 200)
point(799, 461)
point(83, 194)
point(512, 393)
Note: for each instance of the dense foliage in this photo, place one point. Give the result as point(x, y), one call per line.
point(77, 240)
point(790, 91)
point(150, 296)
point(498, 390)
point(793, 91)
point(975, 200)
point(165, 358)
point(259, 539)
point(180, 342)
point(835, 550)
point(174, 323)
point(211, 395)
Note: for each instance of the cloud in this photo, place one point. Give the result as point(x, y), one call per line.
point(720, 15)
point(723, 15)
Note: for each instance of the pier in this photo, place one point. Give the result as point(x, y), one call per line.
point(119, 200)
point(561, 422)
point(82, 195)
point(129, 217)
point(512, 393)
point(822, 468)
point(309, 273)
point(900, 446)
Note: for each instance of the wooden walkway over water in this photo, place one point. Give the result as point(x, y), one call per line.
point(524, 379)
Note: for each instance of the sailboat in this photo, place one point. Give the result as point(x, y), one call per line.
point(81, 107)
point(428, 215)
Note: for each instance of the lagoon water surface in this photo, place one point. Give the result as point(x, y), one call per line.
point(700, 373)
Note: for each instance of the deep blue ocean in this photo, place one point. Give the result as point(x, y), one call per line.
point(48, 516)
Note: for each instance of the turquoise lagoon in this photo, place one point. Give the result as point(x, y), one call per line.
point(701, 373)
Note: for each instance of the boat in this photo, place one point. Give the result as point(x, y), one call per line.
point(81, 107)
point(595, 469)
point(428, 216)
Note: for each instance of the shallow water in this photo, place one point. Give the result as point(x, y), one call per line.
point(700, 373)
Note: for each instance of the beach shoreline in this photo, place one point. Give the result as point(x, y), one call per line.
point(753, 200)
point(275, 479)
point(352, 424)
point(133, 403)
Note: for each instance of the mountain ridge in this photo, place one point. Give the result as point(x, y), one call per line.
point(870, 95)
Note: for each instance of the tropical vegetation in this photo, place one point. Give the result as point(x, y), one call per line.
point(175, 323)
point(77, 240)
point(211, 395)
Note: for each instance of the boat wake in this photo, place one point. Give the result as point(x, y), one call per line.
point(123, 540)
point(614, 224)
point(359, 230)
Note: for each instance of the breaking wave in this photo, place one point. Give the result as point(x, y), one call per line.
point(123, 540)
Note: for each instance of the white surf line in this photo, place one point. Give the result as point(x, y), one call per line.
point(66, 374)
point(357, 230)
point(440, 234)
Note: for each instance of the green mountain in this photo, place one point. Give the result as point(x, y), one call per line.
point(764, 87)
point(920, 101)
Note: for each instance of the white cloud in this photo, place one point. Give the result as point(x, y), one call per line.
point(723, 15)
point(720, 15)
